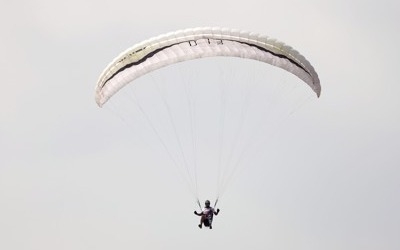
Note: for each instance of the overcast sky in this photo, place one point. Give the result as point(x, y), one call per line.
point(73, 176)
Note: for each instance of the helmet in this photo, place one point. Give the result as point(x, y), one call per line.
point(207, 202)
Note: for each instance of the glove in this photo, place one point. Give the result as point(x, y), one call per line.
point(195, 212)
point(217, 210)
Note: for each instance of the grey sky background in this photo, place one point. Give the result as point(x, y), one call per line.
point(73, 177)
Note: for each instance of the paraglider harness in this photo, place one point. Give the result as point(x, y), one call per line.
point(208, 217)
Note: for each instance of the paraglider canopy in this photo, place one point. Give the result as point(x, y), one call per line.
point(196, 43)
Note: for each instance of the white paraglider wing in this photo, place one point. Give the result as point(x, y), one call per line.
point(196, 43)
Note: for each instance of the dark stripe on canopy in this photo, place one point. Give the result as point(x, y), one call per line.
point(151, 54)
